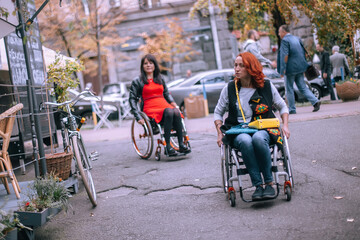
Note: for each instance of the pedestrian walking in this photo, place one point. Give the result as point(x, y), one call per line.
point(292, 63)
point(338, 61)
point(325, 67)
point(252, 46)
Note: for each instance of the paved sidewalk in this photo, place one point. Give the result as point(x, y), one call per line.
point(328, 109)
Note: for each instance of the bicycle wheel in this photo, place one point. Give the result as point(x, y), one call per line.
point(83, 152)
point(84, 170)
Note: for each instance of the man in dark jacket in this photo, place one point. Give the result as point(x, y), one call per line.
point(325, 66)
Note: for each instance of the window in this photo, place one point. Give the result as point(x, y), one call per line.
point(270, 73)
point(212, 79)
point(149, 3)
point(115, 3)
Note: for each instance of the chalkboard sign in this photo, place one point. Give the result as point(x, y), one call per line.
point(16, 57)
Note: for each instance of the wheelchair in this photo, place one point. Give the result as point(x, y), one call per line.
point(233, 169)
point(143, 137)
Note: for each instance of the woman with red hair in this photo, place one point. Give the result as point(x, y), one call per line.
point(250, 97)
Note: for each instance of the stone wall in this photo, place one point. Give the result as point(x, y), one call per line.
point(302, 28)
point(126, 64)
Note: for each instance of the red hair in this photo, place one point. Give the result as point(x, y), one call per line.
point(254, 68)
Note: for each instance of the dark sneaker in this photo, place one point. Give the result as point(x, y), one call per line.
point(292, 112)
point(269, 192)
point(317, 106)
point(171, 151)
point(258, 194)
point(184, 149)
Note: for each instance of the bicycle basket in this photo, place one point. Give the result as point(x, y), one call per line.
point(59, 164)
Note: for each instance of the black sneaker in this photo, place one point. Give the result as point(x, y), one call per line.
point(258, 194)
point(317, 106)
point(269, 192)
point(171, 151)
point(184, 149)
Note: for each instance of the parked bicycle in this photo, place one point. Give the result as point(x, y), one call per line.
point(72, 137)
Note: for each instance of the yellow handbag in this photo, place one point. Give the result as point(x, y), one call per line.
point(265, 123)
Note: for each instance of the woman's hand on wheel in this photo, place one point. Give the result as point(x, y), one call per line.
point(141, 121)
point(219, 140)
point(173, 104)
point(286, 131)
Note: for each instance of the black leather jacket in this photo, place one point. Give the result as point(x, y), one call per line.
point(136, 94)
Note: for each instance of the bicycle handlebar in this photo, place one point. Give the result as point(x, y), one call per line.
point(77, 98)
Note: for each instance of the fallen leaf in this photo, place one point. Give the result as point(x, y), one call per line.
point(353, 168)
point(338, 197)
point(92, 214)
point(313, 161)
point(350, 220)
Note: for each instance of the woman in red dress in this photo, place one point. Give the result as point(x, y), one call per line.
point(157, 102)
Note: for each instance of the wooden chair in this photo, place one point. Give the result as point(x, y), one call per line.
point(7, 120)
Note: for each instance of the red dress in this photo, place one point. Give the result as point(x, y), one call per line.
point(154, 101)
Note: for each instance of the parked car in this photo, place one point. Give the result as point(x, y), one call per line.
point(115, 90)
point(117, 94)
point(214, 81)
point(319, 87)
point(175, 82)
point(82, 108)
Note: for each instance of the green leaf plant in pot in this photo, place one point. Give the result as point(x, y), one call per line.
point(60, 74)
point(9, 222)
point(43, 196)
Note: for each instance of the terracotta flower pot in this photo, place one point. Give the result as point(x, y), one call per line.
point(348, 91)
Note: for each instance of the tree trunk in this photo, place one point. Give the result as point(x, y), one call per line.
point(278, 20)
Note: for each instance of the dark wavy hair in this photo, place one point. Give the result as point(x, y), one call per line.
point(254, 68)
point(157, 75)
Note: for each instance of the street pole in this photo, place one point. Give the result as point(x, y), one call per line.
point(215, 36)
point(99, 54)
point(34, 117)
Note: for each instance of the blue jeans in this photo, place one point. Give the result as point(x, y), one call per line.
point(255, 152)
point(300, 83)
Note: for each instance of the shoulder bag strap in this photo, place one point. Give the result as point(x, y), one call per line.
point(238, 99)
point(306, 52)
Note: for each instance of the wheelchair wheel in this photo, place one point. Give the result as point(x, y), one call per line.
point(232, 198)
point(288, 193)
point(226, 168)
point(223, 168)
point(287, 161)
point(142, 137)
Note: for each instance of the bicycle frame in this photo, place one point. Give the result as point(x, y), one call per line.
point(81, 158)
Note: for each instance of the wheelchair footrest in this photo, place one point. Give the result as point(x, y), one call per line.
point(242, 171)
point(274, 168)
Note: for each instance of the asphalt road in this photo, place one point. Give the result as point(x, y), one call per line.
point(182, 198)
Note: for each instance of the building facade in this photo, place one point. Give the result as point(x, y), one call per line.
point(147, 16)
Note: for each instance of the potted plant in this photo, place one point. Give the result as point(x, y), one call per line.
point(45, 198)
point(9, 224)
point(60, 74)
point(348, 90)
